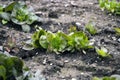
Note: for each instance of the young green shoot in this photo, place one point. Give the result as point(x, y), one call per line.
point(102, 52)
point(91, 28)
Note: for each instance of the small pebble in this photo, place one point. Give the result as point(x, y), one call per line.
point(78, 24)
point(114, 38)
point(66, 61)
point(82, 73)
point(1, 48)
point(73, 79)
point(51, 64)
point(119, 40)
point(45, 61)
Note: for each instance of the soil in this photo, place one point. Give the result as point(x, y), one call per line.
point(59, 15)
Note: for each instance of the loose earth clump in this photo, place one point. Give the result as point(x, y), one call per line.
point(60, 15)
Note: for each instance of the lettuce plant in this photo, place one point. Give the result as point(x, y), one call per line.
point(21, 15)
point(59, 42)
point(13, 68)
point(117, 30)
point(102, 52)
point(10, 67)
point(90, 28)
point(18, 13)
point(111, 5)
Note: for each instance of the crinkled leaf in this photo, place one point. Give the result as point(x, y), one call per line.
point(19, 15)
point(56, 43)
point(43, 41)
point(79, 40)
point(38, 34)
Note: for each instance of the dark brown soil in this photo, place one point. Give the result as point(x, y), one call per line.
point(59, 15)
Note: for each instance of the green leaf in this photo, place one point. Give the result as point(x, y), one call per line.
point(72, 28)
point(90, 28)
point(26, 28)
point(4, 21)
point(117, 30)
point(13, 68)
point(104, 78)
point(5, 16)
point(1, 9)
point(43, 41)
point(36, 43)
point(102, 4)
point(117, 77)
point(56, 43)
point(10, 6)
point(79, 40)
point(38, 34)
point(31, 18)
point(109, 78)
point(3, 72)
point(102, 52)
point(112, 6)
point(19, 15)
point(9, 65)
point(18, 65)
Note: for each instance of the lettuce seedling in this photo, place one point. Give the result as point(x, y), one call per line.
point(21, 15)
point(102, 52)
point(102, 3)
point(117, 30)
point(12, 68)
point(72, 29)
point(18, 13)
point(90, 28)
point(111, 5)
